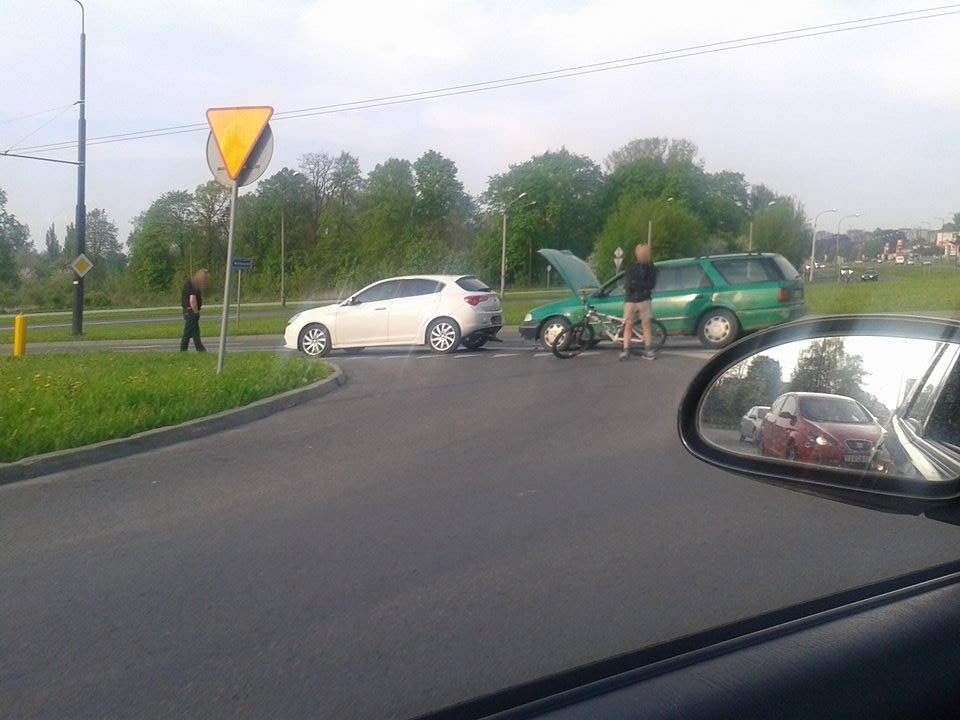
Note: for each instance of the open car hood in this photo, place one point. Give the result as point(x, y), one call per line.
point(575, 272)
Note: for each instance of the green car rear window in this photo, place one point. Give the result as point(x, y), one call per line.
point(788, 270)
point(744, 271)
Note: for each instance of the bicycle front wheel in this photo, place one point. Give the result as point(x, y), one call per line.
point(658, 335)
point(569, 343)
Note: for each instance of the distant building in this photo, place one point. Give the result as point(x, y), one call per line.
point(948, 242)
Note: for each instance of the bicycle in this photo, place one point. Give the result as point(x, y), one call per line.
point(581, 336)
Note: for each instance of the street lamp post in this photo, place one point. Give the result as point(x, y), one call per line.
point(283, 251)
point(750, 238)
point(837, 254)
point(503, 241)
point(813, 240)
point(81, 218)
point(650, 230)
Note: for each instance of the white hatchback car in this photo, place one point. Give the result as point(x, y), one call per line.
point(439, 311)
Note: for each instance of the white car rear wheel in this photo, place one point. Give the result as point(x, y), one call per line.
point(443, 335)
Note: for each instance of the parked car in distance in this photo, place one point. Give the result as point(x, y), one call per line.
point(846, 274)
point(869, 275)
point(716, 298)
point(820, 429)
point(439, 311)
point(899, 260)
point(750, 423)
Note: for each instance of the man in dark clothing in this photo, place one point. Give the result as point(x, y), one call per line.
point(639, 280)
point(191, 300)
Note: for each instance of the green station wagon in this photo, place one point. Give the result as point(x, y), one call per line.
point(716, 298)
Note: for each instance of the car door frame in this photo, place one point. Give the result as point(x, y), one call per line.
point(353, 307)
point(414, 332)
point(677, 316)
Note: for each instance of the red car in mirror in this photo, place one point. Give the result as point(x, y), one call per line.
point(821, 429)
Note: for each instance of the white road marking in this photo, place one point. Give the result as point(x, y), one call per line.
point(498, 355)
point(700, 355)
point(543, 354)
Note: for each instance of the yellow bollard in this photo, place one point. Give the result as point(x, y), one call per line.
point(19, 335)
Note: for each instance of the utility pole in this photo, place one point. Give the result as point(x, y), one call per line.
point(81, 218)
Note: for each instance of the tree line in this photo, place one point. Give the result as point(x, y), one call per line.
point(343, 228)
point(823, 366)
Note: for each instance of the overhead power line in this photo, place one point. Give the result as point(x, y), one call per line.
point(545, 76)
point(7, 121)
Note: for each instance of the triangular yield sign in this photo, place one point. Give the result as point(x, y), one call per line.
point(236, 131)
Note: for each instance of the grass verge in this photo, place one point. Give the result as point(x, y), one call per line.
point(55, 402)
point(169, 330)
point(931, 289)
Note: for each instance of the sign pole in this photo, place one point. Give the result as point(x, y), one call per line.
point(225, 314)
point(239, 278)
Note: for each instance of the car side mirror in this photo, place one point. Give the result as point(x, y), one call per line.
point(846, 372)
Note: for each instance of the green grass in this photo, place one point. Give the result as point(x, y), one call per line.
point(910, 289)
point(516, 306)
point(54, 402)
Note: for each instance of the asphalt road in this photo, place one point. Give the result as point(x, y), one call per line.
point(438, 528)
point(729, 440)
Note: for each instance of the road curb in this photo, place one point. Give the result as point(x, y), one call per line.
point(60, 460)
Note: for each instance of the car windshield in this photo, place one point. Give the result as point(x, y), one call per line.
point(834, 410)
point(310, 404)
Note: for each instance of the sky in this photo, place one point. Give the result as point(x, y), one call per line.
point(865, 121)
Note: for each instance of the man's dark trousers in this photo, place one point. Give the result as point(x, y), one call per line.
point(191, 329)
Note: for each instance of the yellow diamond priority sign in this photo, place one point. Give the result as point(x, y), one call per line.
point(81, 265)
point(236, 131)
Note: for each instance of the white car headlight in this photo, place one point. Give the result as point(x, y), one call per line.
point(822, 441)
point(528, 317)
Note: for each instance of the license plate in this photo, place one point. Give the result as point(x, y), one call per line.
point(856, 459)
point(496, 320)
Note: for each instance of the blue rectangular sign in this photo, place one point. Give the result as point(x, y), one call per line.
point(239, 264)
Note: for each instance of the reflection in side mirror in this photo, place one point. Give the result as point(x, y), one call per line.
point(866, 411)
